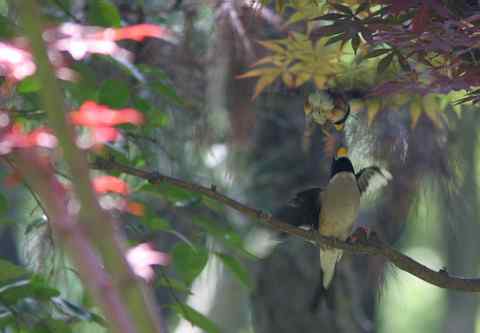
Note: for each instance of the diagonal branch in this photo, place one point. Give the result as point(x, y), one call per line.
point(371, 246)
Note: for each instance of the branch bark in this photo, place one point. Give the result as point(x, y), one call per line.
point(371, 246)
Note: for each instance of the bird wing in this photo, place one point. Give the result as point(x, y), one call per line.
point(303, 209)
point(372, 178)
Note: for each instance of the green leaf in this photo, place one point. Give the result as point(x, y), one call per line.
point(168, 92)
point(85, 88)
point(172, 283)
point(35, 287)
point(29, 85)
point(335, 39)
point(14, 292)
point(41, 290)
point(157, 223)
point(195, 318)
point(355, 43)
point(154, 72)
point(384, 63)
point(330, 17)
point(3, 204)
point(188, 262)
point(213, 204)
point(376, 53)
point(49, 325)
point(103, 13)
point(78, 312)
point(236, 268)
point(342, 8)
point(114, 93)
point(7, 27)
point(6, 318)
point(155, 117)
point(178, 196)
point(403, 63)
point(363, 6)
point(9, 271)
point(224, 234)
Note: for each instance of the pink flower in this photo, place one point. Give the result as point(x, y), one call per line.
point(142, 257)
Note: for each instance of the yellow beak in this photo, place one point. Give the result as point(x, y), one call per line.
point(342, 152)
point(339, 127)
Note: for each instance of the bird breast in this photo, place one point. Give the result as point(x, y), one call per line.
point(339, 206)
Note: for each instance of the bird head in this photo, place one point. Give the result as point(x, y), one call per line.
point(341, 163)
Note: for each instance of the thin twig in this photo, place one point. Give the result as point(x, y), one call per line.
point(371, 246)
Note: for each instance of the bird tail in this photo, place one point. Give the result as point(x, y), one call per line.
point(328, 260)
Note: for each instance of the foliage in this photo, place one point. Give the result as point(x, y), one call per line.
point(107, 113)
point(423, 49)
point(409, 55)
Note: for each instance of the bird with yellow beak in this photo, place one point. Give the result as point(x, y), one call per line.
point(334, 210)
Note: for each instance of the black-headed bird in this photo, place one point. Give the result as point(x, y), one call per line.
point(333, 210)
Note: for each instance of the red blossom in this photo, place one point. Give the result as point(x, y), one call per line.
point(104, 184)
point(16, 61)
point(97, 115)
point(42, 137)
point(15, 137)
point(136, 208)
point(80, 41)
point(135, 32)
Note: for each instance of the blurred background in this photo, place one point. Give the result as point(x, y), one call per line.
point(204, 126)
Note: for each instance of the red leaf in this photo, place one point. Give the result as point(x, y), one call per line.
point(421, 19)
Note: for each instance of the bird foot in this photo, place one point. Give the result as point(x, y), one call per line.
point(361, 234)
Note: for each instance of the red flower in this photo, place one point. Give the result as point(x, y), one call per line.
point(93, 114)
point(104, 184)
point(136, 32)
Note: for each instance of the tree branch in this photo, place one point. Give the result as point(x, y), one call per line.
point(371, 246)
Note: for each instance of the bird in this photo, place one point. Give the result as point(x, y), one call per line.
point(333, 210)
point(327, 106)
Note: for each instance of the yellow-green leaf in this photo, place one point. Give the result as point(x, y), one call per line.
point(254, 73)
point(264, 82)
point(373, 107)
point(272, 45)
point(415, 112)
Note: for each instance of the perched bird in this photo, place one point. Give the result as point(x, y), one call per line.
point(333, 210)
point(327, 106)
point(322, 108)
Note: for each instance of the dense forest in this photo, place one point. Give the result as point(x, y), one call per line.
point(239, 166)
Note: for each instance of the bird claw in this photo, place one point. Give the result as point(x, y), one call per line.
point(359, 235)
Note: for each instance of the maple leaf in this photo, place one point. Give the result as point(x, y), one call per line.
point(296, 60)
